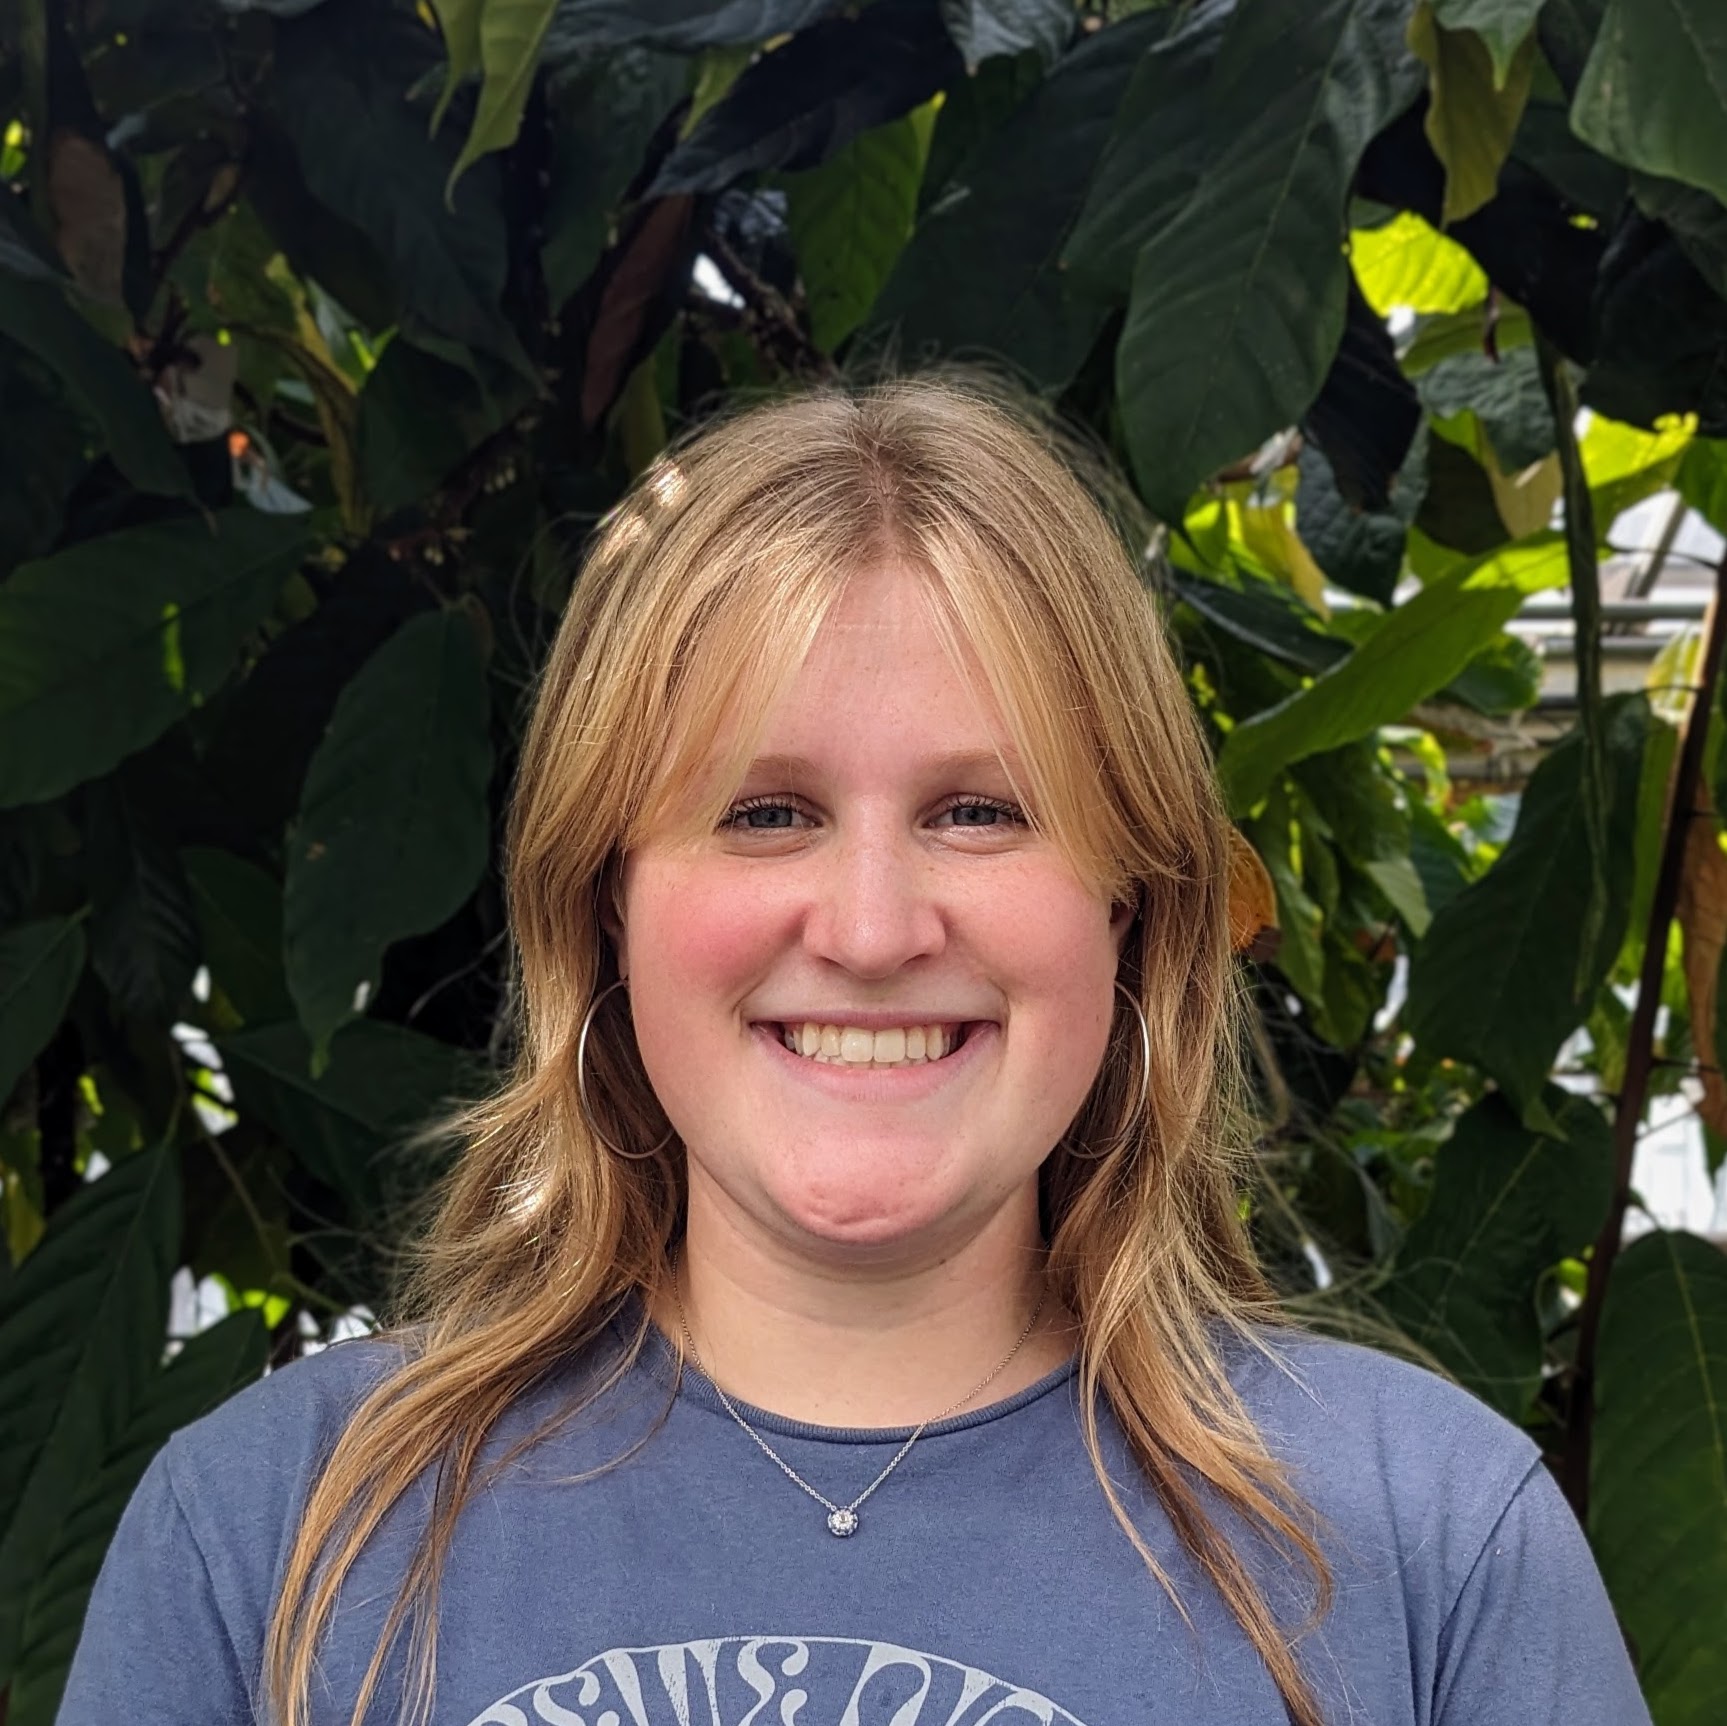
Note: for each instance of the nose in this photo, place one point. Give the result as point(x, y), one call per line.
point(875, 902)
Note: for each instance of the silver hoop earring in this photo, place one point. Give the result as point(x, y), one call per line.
point(582, 1086)
point(1109, 1149)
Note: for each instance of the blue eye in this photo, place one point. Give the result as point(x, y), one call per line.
point(1002, 813)
point(739, 815)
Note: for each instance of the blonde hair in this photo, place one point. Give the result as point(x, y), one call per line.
point(702, 593)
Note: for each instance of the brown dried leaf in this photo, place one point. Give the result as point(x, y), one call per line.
point(88, 200)
point(1702, 914)
point(1252, 897)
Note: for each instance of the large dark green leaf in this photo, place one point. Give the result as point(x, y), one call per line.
point(1414, 652)
point(104, 646)
point(1239, 294)
point(1661, 333)
point(143, 930)
point(983, 272)
point(81, 1334)
point(796, 106)
point(39, 967)
point(1359, 550)
point(606, 109)
point(381, 1084)
point(1654, 92)
point(336, 91)
point(24, 251)
point(1492, 982)
point(393, 829)
point(420, 417)
point(207, 1371)
point(239, 911)
point(1658, 1486)
point(984, 28)
point(1505, 394)
point(1155, 143)
point(37, 316)
point(682, 24)
point(1507, 1204)
point(1698, 223)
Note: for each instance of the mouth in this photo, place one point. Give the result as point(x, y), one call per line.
point(863, 1049)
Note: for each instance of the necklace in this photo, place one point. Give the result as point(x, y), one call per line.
point(842, 1519)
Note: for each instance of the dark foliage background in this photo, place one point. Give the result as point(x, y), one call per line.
point(327, 331)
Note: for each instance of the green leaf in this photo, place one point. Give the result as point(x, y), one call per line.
point(984, 28)
point(983, 272)
point(393, 830)
point(81, 1333)
point(143, 930)
point(1493, 981)
point(605, 111)
point(683, 25)
point(1702, 480)
point(206, 1372)
point(1503, 25)
point(1358, 549)
point(1658, 1469)
point(1408, 263)
point(1507, 1204)
point(40, 964)
point(510, 34)
point(335, 90)
point(796, 106)
point(239, 911)
point(103, 646)
point(1474, 110)
point(850, 219)
point(37, 316)
point(1654, 92)
point(1415, 652)
point(1505, 394)
point(1239, 298)
point(420, 417)
point(459, 23)
point(381, 1084)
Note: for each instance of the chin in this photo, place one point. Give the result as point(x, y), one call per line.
point(871, 1216)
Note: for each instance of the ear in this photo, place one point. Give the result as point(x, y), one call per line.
point(1121, 918)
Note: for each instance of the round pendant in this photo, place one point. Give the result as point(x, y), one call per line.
point(842, 1522)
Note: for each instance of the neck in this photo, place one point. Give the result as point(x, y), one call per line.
point(884, 1344)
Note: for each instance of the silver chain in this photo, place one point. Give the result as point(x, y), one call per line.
point(843, 1518)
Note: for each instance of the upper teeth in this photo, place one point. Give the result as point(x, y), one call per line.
point(855, 1047)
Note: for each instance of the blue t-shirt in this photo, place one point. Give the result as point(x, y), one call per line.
point(694, 1585)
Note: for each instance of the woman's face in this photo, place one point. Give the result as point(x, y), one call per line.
point(875, 879)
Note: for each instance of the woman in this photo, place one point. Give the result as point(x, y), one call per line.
point(844, 1315)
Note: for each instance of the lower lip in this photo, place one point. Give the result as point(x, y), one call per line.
point(882, 1084)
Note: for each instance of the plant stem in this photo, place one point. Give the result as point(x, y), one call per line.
point(1640, 1043)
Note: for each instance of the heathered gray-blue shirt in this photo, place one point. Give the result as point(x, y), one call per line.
point(693, 1585)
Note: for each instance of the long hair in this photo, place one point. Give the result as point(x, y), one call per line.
point(698, 600)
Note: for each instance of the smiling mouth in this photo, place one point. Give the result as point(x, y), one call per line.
point(851, 1046)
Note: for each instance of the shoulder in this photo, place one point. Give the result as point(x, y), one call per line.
point(252, 1459)
point(1389, 1454)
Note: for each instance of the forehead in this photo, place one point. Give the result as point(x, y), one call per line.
point(887, 655)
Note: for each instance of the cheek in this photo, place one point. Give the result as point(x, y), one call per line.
point(695, 943)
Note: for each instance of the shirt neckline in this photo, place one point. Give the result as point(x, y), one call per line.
point(660, 1357)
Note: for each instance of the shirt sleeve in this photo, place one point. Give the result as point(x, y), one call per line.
point(155, 1649)
point(1532, 1639)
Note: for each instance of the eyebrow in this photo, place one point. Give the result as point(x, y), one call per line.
point(959, 762)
